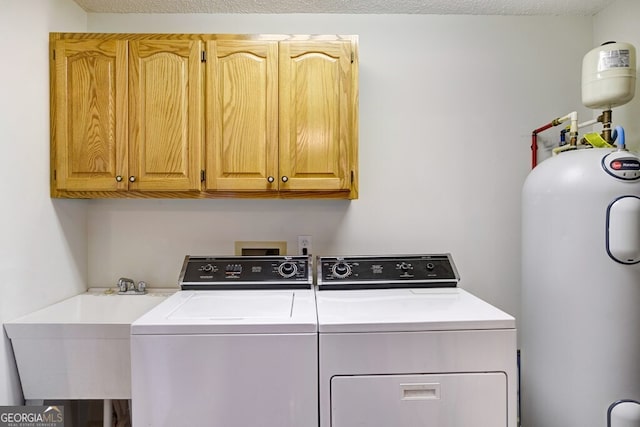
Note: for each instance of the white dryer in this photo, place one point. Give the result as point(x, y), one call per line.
point(401, 345)
point(236, 347)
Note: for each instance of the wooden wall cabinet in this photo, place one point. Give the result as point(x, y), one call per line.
point(201, 116)
point(127, 115)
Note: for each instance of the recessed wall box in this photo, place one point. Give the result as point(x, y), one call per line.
point(257, 248)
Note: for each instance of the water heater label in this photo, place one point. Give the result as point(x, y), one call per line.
point(625, 164)
point(622, 166)
point(614, 59)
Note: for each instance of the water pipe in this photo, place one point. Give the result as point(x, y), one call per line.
point(587, 123)
point(563, 138)
point(564, 131)
point(605, 119)
point(573, 133)
point(618, 134)
point(107, 413)
point(534, 143)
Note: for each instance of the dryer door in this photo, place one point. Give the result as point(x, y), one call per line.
point(448, 400)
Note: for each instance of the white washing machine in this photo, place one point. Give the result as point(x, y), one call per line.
point(236, 347)
point(401, 345)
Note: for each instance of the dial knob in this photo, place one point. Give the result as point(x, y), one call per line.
point(340, 270)
point(207, 268)
point(430, 266)
point(405, 266)
point(287, 269)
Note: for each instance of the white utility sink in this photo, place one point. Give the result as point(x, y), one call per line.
point(79, 348)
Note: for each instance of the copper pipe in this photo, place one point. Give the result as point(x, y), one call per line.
point(573, 141)
point(605, 119)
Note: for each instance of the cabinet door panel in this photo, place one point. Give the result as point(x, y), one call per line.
point(165, 121)
point(315, 114)
point(90, 114)
point(242, 115)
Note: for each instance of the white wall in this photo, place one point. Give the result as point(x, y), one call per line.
point(43, 243)
point(447, 106)
point(619, 22)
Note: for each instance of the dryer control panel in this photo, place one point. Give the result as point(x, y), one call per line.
point(246, 272)
point(391, 271)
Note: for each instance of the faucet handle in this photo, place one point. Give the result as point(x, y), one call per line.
point(124, 284)
point(142, 287)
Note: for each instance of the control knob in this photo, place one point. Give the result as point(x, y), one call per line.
point(287, 269)
point(340, 270)
point(405, 266)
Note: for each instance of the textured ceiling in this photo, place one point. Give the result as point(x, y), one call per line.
point(458, 7)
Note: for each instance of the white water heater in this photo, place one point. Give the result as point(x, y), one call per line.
point(580, 325)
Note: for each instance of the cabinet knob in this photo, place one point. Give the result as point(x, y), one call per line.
point(132, 178)
point(270, 179)
point(285, 178)
point(119, 178)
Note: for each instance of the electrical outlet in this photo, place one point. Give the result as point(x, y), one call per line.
point(304, 245)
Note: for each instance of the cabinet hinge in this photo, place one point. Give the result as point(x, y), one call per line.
point(204, 56)
point(54, 54)
point(55, 174)
point(352, 177)
point(352, 58)
point(203, 175)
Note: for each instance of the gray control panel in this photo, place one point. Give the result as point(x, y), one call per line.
point(392, 271)
point(246, 272)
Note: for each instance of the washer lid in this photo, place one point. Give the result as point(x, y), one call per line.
point(407, 310)
point(231, 312)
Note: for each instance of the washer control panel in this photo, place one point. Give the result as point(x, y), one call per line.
point(246, 272)
point(391, 271)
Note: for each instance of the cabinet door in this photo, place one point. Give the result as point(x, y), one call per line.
point(315, 115)
point(90, 114)
point(242, 115)
point(165, 120)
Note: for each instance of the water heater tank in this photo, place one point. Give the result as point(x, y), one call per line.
point(609, 75)
point(580, 346)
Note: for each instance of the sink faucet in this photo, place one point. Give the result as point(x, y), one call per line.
point(127, 286)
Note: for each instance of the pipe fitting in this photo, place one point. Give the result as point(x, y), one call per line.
point(605, 118)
